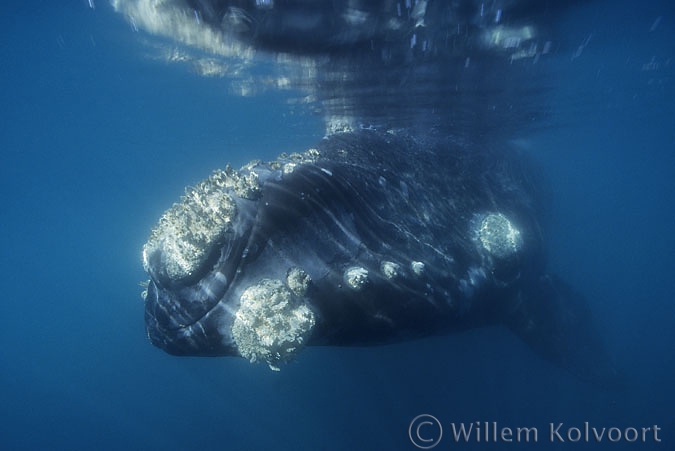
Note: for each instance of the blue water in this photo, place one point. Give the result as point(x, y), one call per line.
point(96, 141)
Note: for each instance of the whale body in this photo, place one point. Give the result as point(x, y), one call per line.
point(368, 238)
point(411, 218)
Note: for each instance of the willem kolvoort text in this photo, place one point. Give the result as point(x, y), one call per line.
point(555, 433)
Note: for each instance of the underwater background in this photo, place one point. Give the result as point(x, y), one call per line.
point(96, 141)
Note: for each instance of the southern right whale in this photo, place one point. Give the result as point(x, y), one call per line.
point(378, 233)
point(368, 238)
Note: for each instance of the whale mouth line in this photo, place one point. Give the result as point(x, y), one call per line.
point(186, 286)
point(216, 298)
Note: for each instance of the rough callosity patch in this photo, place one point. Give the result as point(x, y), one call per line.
point(311, 155)
point(288, 163)
point(245, 183)
point(289, 167)
point(187, 231)
point(271, 325)
point(498, 236)
point(390, 270)
point(417, 268)
point(356, 277)
point(298, 281)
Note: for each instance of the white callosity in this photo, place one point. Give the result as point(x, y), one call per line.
point(298, 281)
point(244, 183)
point(498, 236)
point(187, 231)
point(356, 277)
point(417, 268)
point(289, 163)
point(390, 270)
point(272, 324)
